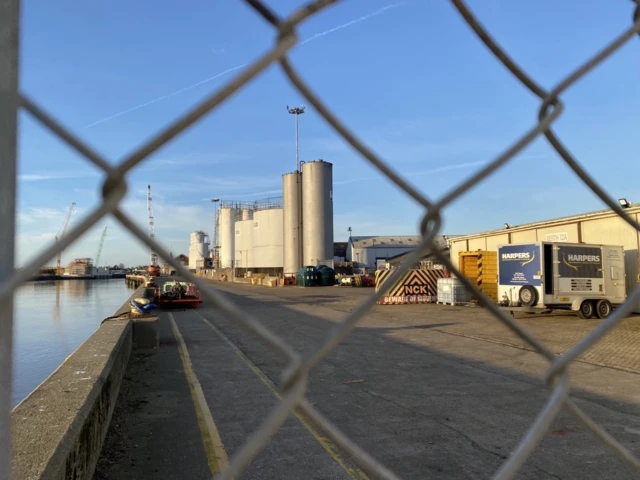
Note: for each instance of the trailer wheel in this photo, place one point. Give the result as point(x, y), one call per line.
point(603, 308)
point(528, 296)
point(587, 310)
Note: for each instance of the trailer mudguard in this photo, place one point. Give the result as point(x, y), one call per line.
point(575, 305)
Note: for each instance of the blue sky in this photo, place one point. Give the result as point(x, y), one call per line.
point(410, 78)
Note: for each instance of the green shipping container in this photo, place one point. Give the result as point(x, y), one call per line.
point(308, 277)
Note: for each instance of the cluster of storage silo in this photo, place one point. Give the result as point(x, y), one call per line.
point(308, 215)
point(286, 237)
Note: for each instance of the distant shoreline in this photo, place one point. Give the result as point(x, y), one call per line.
point(44, 278)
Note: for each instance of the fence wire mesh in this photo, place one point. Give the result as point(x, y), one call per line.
point(294, 378)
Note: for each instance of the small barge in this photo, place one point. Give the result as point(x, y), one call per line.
point(174, 293)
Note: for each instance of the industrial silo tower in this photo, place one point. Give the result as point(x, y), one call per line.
point(198, 248)
point(292, 221)
point(317, 211)
point(227, 226)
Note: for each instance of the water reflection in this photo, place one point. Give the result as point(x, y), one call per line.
point(52, 318)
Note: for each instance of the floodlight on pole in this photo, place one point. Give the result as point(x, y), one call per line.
point(296, 111)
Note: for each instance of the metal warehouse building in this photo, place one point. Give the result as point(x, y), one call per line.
point(602, 227)
point(366, 251)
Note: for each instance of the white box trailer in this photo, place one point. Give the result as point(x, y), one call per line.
point(588, 279)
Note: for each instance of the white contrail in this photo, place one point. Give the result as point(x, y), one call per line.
point(416, 174)
point(352, 22)
point(310, 39)
point(177, 92)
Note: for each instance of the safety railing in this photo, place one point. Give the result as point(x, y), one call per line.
point(294, 378)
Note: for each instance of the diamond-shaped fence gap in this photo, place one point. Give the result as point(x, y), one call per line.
point(521, 191)
point(550, 102)
point(57, 188)
point(218, 299)
point(349, 136)
point(566, 431)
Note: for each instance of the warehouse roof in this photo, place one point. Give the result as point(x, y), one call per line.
point(398, 259)
point(385, 241)
point(393, 241)
point(634, 208)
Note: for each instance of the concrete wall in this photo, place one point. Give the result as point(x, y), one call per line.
point(608, 230)
point(524, 236)
point(477, 244)
point(59, 428)
point(455, 249)
point(571, 231)
point(495, 240)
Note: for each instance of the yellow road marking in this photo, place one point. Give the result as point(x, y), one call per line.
point(326, 443)
point(213, 447)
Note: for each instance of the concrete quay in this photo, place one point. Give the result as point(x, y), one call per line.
point(431, 391)
point(58, 430)
point(135, 281)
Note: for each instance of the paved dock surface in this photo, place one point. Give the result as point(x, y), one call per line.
point(431, 391)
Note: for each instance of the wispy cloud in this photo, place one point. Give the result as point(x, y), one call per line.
point(202, 159)
point(40, 176)
point(218, 51)
point(218, 186)
point(420, 173)
point(259, 194)
point(31, 215)
point(237, 67)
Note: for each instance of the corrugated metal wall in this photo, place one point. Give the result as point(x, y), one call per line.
point(368, 255)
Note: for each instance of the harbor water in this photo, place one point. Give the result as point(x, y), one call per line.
point(52, 319)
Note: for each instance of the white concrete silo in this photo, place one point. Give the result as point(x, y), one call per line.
point(227, 224)
point(198, 248)
point(292, 221)
point(317, 211)
point(268, 238)
point(244, 242)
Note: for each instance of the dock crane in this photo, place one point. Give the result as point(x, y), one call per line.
point(104, 234)
point(61, 234)
point(154, 269)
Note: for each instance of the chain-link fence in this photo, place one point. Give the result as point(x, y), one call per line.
point(294, 378)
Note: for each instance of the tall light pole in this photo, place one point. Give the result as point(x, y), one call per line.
point(296, 111)
point(215, 230)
